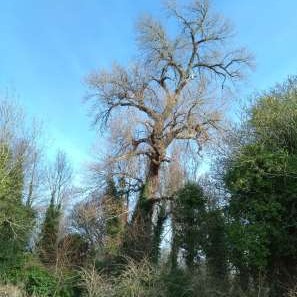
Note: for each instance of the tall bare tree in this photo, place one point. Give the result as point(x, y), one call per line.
point(25, 139)
point(59, 178)
point(169, 94)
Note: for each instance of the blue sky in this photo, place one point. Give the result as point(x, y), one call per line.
point(47, 47)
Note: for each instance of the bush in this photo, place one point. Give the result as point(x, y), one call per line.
point(136, 280)
point(37, 280)
point(178, 283)
point(41, 282)
point(96, 284)
point(140, 280)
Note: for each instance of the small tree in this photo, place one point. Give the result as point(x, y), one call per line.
point(88, 220)
point(47, 245)
point(16, 220)
point(115, 213)
point(58, 178)
point(101, 220)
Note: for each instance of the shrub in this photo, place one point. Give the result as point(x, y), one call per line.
point(138, 279)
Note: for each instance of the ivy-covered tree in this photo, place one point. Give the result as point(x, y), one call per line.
point(59, 180)
point(261, 179)
point(215, 247)
point(16, 219)
point(188, 225)
point(48, 243)
point(115, 214)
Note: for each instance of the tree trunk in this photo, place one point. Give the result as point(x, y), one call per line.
point(138, 243)
point(174, 248)
point(152, 180)
point(244, 278)
point(157, 233)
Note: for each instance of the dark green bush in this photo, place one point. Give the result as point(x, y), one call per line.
point(40, 282)
point(37, 280)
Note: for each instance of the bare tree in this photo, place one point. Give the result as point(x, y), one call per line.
point(24, 140)
point(20, 159)
point(59, 177)
point(88, 220)
point(34, 167)
point(170, 93)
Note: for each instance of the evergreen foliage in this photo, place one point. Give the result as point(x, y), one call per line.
point(16, 219)
point(261, 179)
point(48, 243)
point(188, 218)
point(215, 248)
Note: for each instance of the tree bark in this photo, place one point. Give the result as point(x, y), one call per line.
point(138, 243)
point(153, 180)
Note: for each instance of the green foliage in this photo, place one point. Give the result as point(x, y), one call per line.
point(113, 209)
point(188, 219)
point(11, 271)
point(185, 283)
point(177, 283)
point(215, 248)
point(247, 247)
point(274, 117)
point(47, 245)
point(40, 282)
point(261, 178)
point(114, 217)
point(37, 280)
point(138, 243)
point(114, 212)
point(262, 220)
point(16, 219)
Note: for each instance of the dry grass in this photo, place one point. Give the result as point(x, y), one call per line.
point(137, 280)
point(10, 291)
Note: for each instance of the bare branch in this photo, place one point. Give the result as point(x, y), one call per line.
point(164, 96)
